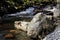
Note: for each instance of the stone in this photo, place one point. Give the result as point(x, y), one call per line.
point(9, 36)
point(55, 35)
point(34, 26)
point(21, 25)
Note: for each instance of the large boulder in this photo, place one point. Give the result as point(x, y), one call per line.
point(34, 26)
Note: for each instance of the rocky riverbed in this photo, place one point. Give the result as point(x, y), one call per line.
point(9, 32)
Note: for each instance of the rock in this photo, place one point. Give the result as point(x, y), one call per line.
point(55, 35)
point(21, 25)
point(15, 32)
point(22, 36)
point(9, 36)
point(12, 30)
point(56, 13)
point(34, 26)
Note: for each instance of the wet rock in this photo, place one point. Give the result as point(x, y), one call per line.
point(14, 32)
point(22, 36)
point(55, 35)
point(8, 36)
point(34, 26)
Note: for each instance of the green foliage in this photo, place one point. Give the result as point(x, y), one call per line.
point(19, 3)
point(10, 6)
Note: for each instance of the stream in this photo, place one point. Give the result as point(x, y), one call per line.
point(28, 13)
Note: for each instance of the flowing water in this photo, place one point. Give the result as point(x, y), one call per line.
point(29, 12)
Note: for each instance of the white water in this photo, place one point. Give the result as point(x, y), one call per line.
point(54, 35)
point(49, 8)
point(27, 12)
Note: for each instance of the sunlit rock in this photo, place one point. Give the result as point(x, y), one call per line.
point(21, 25)
point(34, 26)
point(28, 12)
point(56, 12)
